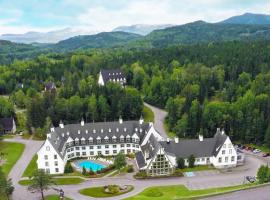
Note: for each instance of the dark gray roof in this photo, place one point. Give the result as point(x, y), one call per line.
point(152, 146)
point(108, 74)
point(184, 148)
point(60, 135)
point(50, 86)
point(7, 123)
point(140, 159)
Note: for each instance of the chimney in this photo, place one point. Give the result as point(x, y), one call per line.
point(222, 132)
point(120, 120)
point(48, 135)
point(52, 128)
point(218, 130)
point(141, 120)
point(201, 138)
point(61, 124)
point(82, 122)
point(168, 140)
point(176, 140)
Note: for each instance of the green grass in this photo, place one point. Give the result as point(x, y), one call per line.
point(57, 181)
point(98, 192)
point(197, 168)
point(262, 148)
point(13, 152)
point(32, 166)
point(55, 197)
point(148, 115)
point(179, 192)
point(169, 133)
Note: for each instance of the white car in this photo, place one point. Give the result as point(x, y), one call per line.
point(257, 151)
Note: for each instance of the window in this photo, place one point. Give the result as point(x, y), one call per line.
point(122, 151)
point(122, 139)
point(91, 153)
point(55, 156)
point(198, 160)
point(122, 145)
point(127, 139)
point(91, 147)
point(107, 152)
point(72, 149)
point(133, 139)
point(47, 148)
point(230, 151)
point(106, 146)
point(219, 159)
point(47, 164)
point(98, 141)
point(77, 148)
point(106, 140)
point(226, 159)
point(114, 139)
point(55, 163)
point(232, 158)
point(56, 170)
point(224, 146)
point(128, 145)
point(133, 145)
point(78, 154)
point(230, 145)
point(203, 159)
point(114, 151)
point(99, 147)
point(128, 150)
point(223, 152)
point(47, 170)
point(91, 140)
point(84, 153)
point(99, 153)
point(68, 150)
point(83, 148)
point(114, 146)
point(46, 157)
point(137, 146)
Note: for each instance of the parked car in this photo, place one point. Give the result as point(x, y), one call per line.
point(251, 179)
point(266, 154)
point(257, 151)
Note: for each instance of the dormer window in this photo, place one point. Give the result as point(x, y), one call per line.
point(106, 139)
point(117, 130)
point(90, 140)
point(125, 129)
point(63, 134)
point(82, 141)
point(114, 139)
point(98, 140)
point(67, 133)
point(122, 138)
point(140, 130)
point(86, 131)
point(101, 130)
point(94, 130)
point(137, 140)
point(134, 140)
point(127, 138)
point(77, 142)
point(110, 130)
point(136, 129)
point(79, 132)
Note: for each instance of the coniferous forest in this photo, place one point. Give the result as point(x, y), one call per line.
point(202, 86)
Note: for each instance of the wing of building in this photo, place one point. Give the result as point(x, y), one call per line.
point(113, 75)
point(154, 154)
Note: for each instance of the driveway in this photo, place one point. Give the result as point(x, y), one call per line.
point(159, 116)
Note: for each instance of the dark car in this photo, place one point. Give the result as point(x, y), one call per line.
point(251, 179)
point(266, 154)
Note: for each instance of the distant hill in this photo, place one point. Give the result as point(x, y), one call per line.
point(48, 37)
point(248, 18)
point(100, 40)
point(141, 29)
point(202, 32)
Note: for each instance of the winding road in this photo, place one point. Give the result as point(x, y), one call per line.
point(202, 180)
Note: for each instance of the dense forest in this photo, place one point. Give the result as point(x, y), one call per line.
point(202, 86)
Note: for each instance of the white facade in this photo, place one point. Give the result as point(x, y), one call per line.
point(100, 80)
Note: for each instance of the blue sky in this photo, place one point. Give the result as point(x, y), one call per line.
point(19, 16)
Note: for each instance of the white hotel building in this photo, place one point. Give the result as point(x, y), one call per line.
point(154, 154)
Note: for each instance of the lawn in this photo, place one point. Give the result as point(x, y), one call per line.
point(98, 192)
point(13, 152)
point(180, 192)
point(32, 166)
point(55, 197)
point(198, 168)
point(148, 115)
point(57, 181)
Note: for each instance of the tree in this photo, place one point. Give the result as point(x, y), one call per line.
point(68, 168)
point(180, 163)
point(84, 172)
point(263, 174)
point(40, 182)
point(191, 161)
point(6, 187)
point(267, 136)
point(119, 161)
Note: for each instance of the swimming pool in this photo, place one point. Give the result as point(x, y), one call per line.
point(90, 165)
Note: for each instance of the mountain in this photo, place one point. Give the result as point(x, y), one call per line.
point(202, 32)
point(48, 37)
point(248, 18)
point(100, 40)
point(141, 29)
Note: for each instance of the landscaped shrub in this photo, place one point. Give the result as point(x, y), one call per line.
point(68, 168)
point(191, 161)
point(180, 163)
point(141, 174)
point(84, 172)
point(111, 189)
point(91, 173)
point(263, 174)
point(130, 169)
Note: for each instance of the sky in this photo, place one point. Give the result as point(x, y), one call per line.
point(19, 16)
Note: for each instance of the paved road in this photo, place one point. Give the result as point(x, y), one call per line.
point(159, 115)
point(31, 147)
point(262, 193)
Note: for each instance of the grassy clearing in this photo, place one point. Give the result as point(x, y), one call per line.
point(148, 115)
point(55, 197)
point(181, 192)
point(57, 181)
point(98, 192)
point(32, 166)
point(169, 133)
point(197, 168)
point(13, 152)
